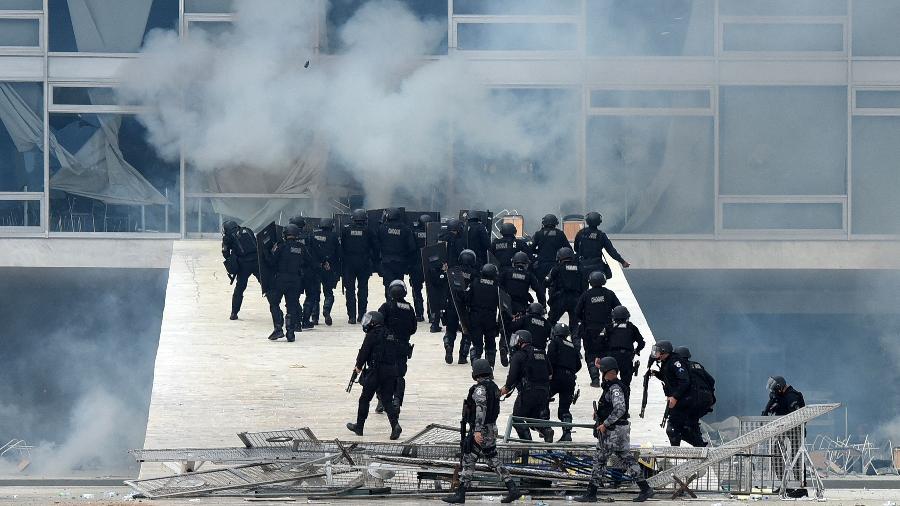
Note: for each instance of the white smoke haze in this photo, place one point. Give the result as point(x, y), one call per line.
point(385, 109)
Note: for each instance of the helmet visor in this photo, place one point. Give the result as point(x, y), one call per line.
point(366, 320)
point(771, 384)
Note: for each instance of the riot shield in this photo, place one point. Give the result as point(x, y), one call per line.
point(505, 302)
point(433, 257)
point(265, 241)
point(433, 231)
point(493, 260)
point(340, 220)
point(457, 282)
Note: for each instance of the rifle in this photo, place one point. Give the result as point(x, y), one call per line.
point(463, 439)
point(576, 396)
point(637, 365)
point(596, 422)
point(231, 278)
point(646, 384)
point(352, 380)
point(665, 416)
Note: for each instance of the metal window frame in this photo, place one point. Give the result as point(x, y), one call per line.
point(42, 28)
point(652, 111)
point(193, 17)
point(873, 111)
point(500, 19)
point(722, 21)
point(24, 197)
point(782, 233)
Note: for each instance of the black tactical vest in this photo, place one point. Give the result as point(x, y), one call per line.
point(540, 330)
point(597, 308)
point(620, 336)
point(590, 244)
point(565, 356)
point(493, 403)
point(485, 298)
point(536, 371)
point(570, 278)
point(389, 350)
point(605, 405)
point(355, 239)
point(401, 319)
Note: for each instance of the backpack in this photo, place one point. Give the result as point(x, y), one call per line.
point(245, 242)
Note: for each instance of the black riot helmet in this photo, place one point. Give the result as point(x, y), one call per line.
point(593, 219)
point(597, 279)
point(535, 309)
point(300, 221)
point(489, 271)
point(467, 257)
point(776, 384)
point(520, 259)
point(371, 320)
point(549, 220)
point(425, 218)
point(481, 368)
point(560, 330)
point(291, 231)
point(565, 254)
point(454, 225)
point(229, 226)
point(519, 338)
point(608, 364)
point(394, 214)
point(326, 223)
point(507, 230)
point(662, 347)
point(620, 314)
point(683, 352)
point(473, 216)
point(397, 290)
point(359, 216)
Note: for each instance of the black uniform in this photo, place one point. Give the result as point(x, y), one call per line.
point(400, 320)
point(358, 254)
point(566, 362)
point(477, 239)
point(683, 423)
point(383, 353)
point(505, 247)
point(312, 280)
point(397, 251)
point(483, 301)
point(589, 245)
point(290, 261)
point(545, 243)
point(458, 294)
point(455, 245)
point(530, 372)
point(241, 244)
point(539, 327)
point(565, 283)
point(329, 248)
point(416, 274)
point(593, 311)
point(783, 403)
point(518, 283)
point(619, 340)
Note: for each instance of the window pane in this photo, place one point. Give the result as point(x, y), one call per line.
point(340, 11)
point(650, 27)
point(19, 33)
point(650, 99)
point(763, 37)
point(516, 36)
point(793, 216)
point(206, 215)
point(546, 7)
point(77, 95)
point(875, 28)
point(214, 6)
point(783, 140)
point(21, 5)
point(20, 213)
point(105, 177)
point(878, 99)
point(783, 7)
point(21, 137)
point(651, 175)
point(876, 175)
point(211, 29)
point(108, 26)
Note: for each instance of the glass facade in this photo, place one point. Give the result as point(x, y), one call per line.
point(672, 117)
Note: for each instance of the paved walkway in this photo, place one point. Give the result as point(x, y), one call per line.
point(215, 377)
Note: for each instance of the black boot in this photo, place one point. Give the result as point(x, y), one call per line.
point(236, 301)
point(462, 358)
point(379, 408)
point(356, 428)
point(504, 358)
point(547, 432)
point(448, 349)
point(435, 327)
point(458, 497)
point(276, 334)
point(351, 320)
point(590, 495)
point(646, 491)
point(513, 492)
point(290, 334)
point(233, 316)
point(328, 320)
point(566, 435)
point(395, 431)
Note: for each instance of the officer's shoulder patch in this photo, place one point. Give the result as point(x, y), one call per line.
point(617, 392)
point(677, 363)
point(403, 305)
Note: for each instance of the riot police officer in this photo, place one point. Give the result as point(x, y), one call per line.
point(622, 341)
point(477, 238)
point(590, 243)
point(504, 247)
point(358, 254)
point(565, 283)
point(594, 313)
point(613, 433)
point(381, 352)
point(530, 373)
point(565, 360)
point(703, 385)
point(396, 248)
point(783, 399)
point(460, 278)
point(537, 326)
point(482, 301)
point(400, 320)
point(452, 236)
point(480, 410)
point(312, 281)
point(329, 248)
point(545, 243)
point(683, 424)
point(416, 272)
point(518, 282)
point(239, 244)
point(290, 261)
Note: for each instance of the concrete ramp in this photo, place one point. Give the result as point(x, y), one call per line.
point(215, 377)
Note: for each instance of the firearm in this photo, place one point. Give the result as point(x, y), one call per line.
point(231, 278)
point(576, 396)
point(596, 422)
point(637, 365)
point(352, 380)
point(463, 439)
point(665, 415)
point(647, 375)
